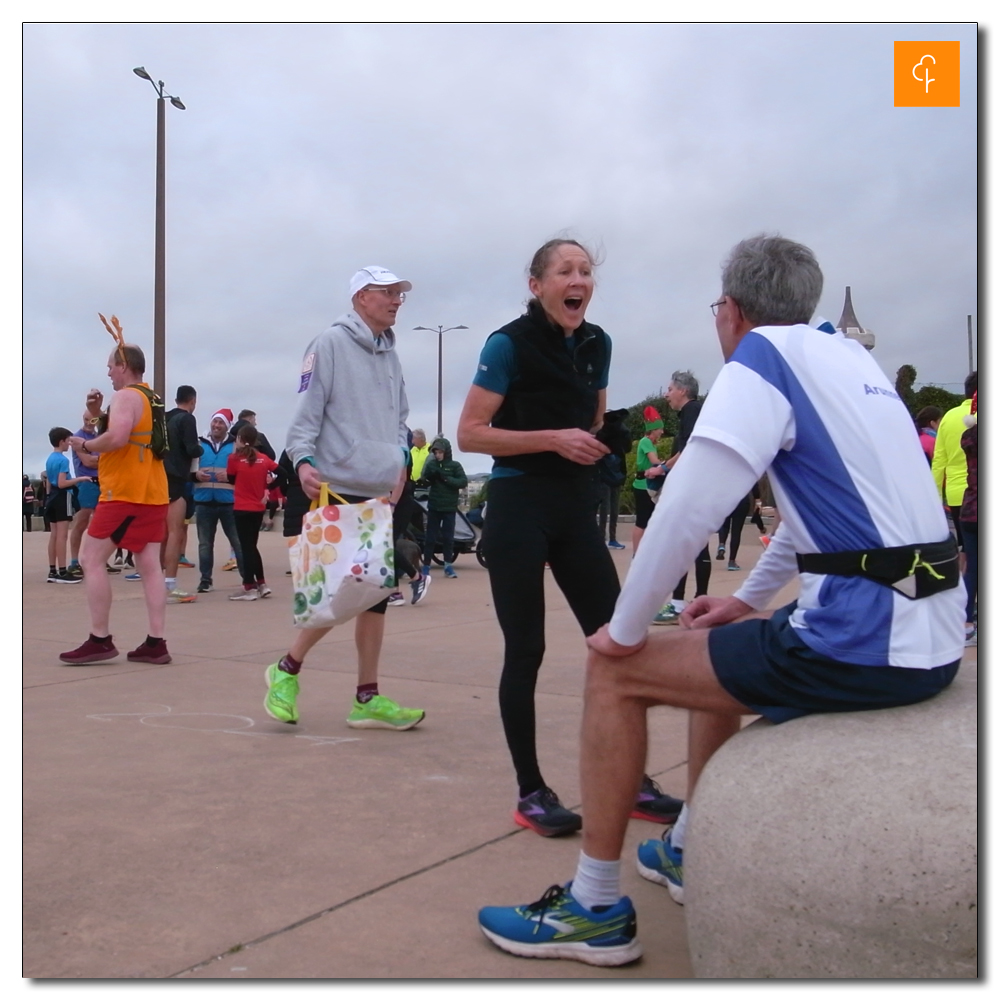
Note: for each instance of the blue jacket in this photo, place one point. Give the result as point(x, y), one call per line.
point(215, 457)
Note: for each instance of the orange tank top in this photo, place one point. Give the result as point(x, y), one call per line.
point(131, 473)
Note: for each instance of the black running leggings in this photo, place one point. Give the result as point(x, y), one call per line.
point(531, 521)
point(248, 524)
point(702, 574)
point(734, 524)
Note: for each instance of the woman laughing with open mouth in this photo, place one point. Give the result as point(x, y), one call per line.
point(536, 401)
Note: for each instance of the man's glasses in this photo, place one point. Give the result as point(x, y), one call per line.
point(391, 293)
point(715, 306)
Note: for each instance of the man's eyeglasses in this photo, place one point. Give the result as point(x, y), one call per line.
point(715, 306)
point(391, 293)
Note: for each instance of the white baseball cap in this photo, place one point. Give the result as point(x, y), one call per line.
point(374, 275)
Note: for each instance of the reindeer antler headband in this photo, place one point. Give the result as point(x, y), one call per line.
point(115, 329)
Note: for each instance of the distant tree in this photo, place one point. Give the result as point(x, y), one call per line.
point(934, 395)
point(905, 378)
point(928, 395)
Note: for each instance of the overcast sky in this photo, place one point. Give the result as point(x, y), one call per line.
point(448, 154)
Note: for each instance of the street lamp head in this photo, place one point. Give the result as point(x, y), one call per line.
point(176, 102)
point(141, 72)
point(460, 327)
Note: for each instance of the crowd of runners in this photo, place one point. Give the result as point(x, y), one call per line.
point(878, 621)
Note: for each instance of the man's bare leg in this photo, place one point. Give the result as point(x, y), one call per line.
point(672, 669)
point(367, 638)
point(305, 639)
point(175, 537)
point(369, 629)
point(77, 528)
point(147, 562)
point(707, 731)
point(94, 553)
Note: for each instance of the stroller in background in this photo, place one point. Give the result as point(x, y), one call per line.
point(467, 538)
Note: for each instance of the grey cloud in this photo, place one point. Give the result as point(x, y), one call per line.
point(449, 153)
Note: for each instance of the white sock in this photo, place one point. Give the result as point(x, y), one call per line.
point(171, 582)
point(680, 827)
point(597, 883)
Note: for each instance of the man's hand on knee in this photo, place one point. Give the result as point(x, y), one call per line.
point(601, 642)
point(706, 612)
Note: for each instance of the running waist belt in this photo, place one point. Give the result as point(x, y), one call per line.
point(914, 571)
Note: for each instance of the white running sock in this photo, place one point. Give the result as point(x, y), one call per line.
point(680, 827)
point(171, 582)
point(597, 883)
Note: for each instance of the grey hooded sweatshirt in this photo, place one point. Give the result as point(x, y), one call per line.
point(351, 417)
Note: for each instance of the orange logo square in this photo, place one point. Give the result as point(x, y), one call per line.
point(926, 75)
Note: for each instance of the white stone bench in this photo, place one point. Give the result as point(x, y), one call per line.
point(840, 846)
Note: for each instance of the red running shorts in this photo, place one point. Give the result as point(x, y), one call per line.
point(130, 526)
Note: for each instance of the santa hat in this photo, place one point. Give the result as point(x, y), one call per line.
point(654, 422)
point(226, 415)
point(972, 418)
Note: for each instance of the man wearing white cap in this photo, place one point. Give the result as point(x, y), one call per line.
point(350, 431)
point(213, 496)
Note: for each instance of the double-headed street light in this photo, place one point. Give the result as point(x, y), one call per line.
point(159, 261)
point(440, 331)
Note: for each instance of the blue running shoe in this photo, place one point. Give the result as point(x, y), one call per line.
point(660, 861)
point(557, 926)
point(615, 545)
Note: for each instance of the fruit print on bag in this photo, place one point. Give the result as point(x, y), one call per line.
point(329, 585)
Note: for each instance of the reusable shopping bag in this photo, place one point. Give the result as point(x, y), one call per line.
point(342, 563)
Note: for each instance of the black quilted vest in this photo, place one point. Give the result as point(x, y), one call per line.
point(552, 388)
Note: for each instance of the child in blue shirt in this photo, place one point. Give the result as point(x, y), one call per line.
point(59, 504)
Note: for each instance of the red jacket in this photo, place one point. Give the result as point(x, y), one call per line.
point(250, 480)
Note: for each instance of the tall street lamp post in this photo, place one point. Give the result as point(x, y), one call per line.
point(440, 331)
point(159, 261)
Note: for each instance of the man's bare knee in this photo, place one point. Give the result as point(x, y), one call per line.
point(607, 677)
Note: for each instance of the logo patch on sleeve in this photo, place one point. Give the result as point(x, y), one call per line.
point(307, 367)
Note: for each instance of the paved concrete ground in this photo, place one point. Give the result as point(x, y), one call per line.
point(173, 829)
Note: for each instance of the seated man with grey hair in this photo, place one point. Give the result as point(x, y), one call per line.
point(879, 620)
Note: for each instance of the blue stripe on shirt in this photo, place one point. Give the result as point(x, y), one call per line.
point(855, 613)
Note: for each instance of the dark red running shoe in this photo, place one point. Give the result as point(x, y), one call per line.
point(651, 803)
point(92, 651)
point(150, 653)
point(542, 812)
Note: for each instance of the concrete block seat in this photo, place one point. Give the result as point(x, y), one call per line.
point(840, 846)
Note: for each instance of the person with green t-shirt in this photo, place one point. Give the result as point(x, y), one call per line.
point(648, 467)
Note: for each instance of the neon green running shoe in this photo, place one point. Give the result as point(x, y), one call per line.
point(383, 713)
point(282, 690)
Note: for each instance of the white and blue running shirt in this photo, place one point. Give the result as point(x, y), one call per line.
point(815, 412)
